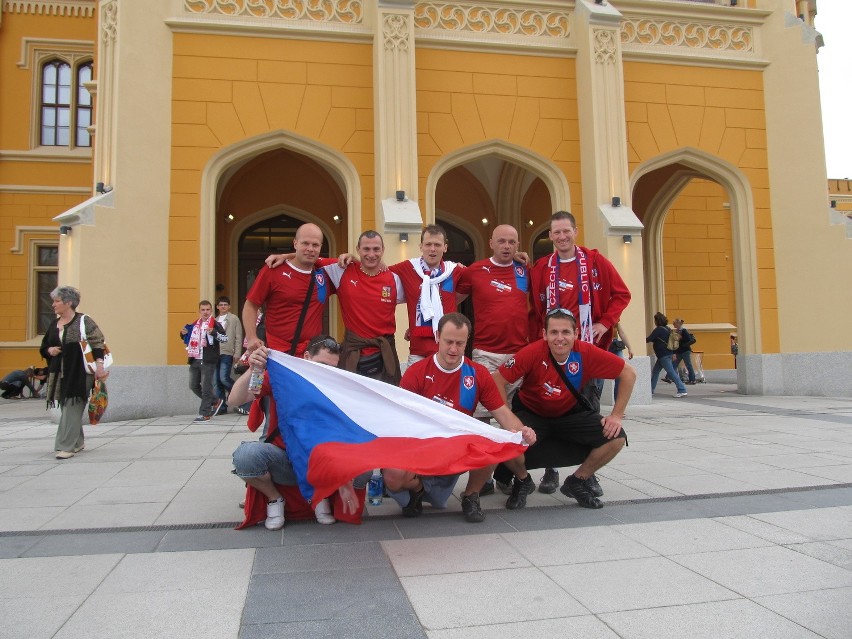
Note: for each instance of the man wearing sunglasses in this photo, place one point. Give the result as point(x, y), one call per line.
point(568, 430)
point(584, 282)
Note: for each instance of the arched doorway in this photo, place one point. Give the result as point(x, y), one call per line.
point(699, 249)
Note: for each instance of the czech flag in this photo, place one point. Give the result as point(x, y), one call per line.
point(337, 425)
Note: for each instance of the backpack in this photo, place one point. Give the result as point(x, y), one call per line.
point(674, 340)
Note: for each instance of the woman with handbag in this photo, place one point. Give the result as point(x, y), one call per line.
point(69, 381)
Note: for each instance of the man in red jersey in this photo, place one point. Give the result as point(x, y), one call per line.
point(284, 291)
point(448, 377)
point(561, 417)
point(499, 287)
point(582, 281)
point(430, 290)
point(368, 295)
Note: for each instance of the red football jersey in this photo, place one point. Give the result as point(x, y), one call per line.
point(460, 388)
point(543, 390)
point(499, 295)
point(282, 291)
point(422, 337)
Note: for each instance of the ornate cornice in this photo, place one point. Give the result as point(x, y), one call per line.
point(71, 8)
point(501, 20)
point(344, 11)
point(687, 34)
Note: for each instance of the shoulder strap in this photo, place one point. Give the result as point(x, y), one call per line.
point(295, 343)
point(580, 399)
point(83, 336)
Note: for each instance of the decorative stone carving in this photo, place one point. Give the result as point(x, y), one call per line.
point(346, 11)
point(605, 46)
point(692, 35)
point(71, 8)
point(491, 19)
point(395, 31)
point(109, 22)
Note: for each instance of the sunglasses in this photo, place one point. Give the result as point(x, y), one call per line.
point(559, 311)
point(327, 343)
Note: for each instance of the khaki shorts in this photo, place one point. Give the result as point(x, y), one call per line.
point(492, 362)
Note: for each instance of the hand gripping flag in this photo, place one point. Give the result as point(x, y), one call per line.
point(337, 425)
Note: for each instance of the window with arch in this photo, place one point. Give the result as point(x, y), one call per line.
point(66, 104)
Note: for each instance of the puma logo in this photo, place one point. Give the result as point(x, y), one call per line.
point(486, 268)
point(431, 378)
point(354, 282)
point(289, 276)
point(543, 363)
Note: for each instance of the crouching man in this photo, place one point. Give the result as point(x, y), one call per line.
point(568, 431)
point(454, 380)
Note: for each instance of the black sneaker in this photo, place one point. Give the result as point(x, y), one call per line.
point(520, 490)
point(506, 489)
point(550, 482)
point(471, 508)
point(594, 486)
point(414, 508)
point(488, 488)
point(579, 490)
point(217, 408)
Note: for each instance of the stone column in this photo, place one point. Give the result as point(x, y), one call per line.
point(604, 167)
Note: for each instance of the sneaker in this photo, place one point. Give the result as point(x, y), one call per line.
point(242, 411)
point(64, 454)
point(668, 380)
point(200, 419)
point(679, 395)
point(579, 490)
point(550, 482)
point(506, 489)
point(217, 408)
point(487, 489)
point(79, 448)
point(275, 514)
point(594, 486)
point(471, 508)
point(690, 383)
point(520, 490)
point(242, 504)
point(323, 513)
point(414, 508)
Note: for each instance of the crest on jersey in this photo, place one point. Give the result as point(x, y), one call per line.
point(320, 279)
point(509, 362)
point(386, 291)
point(573, 367)
point(468, 381)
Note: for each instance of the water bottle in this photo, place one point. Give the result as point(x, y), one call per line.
point(376, 488)
point(256, 380)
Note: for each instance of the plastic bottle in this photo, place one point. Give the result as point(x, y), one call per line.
point(376, 488)
point(256, 380)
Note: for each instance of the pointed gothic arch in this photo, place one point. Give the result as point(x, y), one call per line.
point(337, 164)
point(692, 163)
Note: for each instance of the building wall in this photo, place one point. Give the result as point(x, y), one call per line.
point(699, 268)
point(36, 183)
point(464, 98)
point(226, 89)
point(719, 112)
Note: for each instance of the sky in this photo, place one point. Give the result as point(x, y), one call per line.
point(834, 21)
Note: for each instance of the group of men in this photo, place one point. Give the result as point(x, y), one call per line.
point(540, 342)
point(212, 345)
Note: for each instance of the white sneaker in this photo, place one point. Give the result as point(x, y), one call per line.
point(323, 513)
point(275, 514)
point(683, 394)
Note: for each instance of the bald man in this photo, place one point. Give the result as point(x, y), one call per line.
point(283, 291)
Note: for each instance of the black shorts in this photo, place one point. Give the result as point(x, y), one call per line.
point(578, 426)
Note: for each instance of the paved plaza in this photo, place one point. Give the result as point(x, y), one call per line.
point(727, 516)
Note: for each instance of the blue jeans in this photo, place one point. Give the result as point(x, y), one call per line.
point(686, 358)
point(224, 382)
point(665, 364)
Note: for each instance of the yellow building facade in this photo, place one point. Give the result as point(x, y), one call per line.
point(684, 135)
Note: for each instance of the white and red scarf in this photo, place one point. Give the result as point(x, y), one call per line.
point(584, 291)
point(431, 308)
point(199, 332)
